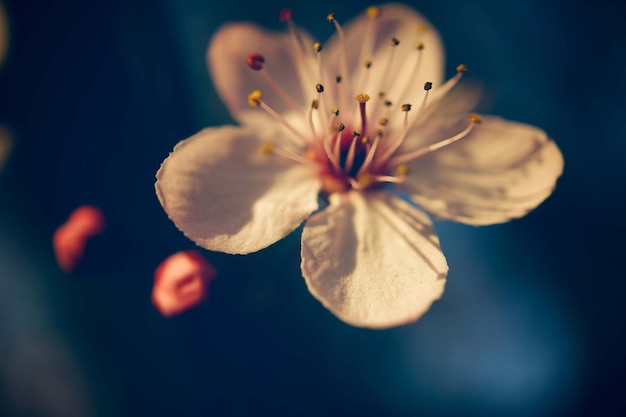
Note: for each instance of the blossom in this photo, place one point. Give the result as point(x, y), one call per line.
point(366, 125)
point(181, 281)
point(70, 239)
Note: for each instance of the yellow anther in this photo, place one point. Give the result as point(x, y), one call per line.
point(402, 170)
point(319, 88)
point(406, 107)
point(254, 98)
point(317, 47)
point(315, 104)
point(474, 118)
point(365, 140)
point(461, 68)
point(367, 63)
point(267, 148)
point(383, 121)
point(395, 41)
point(364, 180)
point(419, 46)
point(330, 17)
point(373, 11)
point(421, 28)
point(362, 98)
point(335, 111)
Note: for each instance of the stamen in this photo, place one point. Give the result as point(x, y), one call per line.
point(342, 40)
point(350, 155)
point(317, 47)
point(256, 62)
point(448, 85)
point(362, 99)
point(319, 88)
point(369, 157)
point(255, 100)
point(400, 159)
point(314, 106)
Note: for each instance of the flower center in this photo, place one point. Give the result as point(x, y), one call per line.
point(351, 144)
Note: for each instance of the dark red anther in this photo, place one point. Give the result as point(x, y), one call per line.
point(285, 15)
point(255, 61)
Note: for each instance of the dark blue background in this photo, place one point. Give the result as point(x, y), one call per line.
point(97, 93)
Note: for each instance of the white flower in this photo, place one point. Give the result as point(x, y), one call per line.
point(336, 121)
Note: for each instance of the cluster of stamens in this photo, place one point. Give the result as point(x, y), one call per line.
point(348, 154)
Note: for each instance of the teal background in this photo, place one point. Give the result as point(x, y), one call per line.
point(97, 93)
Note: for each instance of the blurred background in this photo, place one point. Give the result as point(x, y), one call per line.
point(94, 95)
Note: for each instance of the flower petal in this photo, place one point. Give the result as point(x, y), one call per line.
point(372, 259)
point(501, 171)
point(226, 195)
point(370, 38)
point(286, 64)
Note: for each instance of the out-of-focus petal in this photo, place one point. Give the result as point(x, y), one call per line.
point(226, 195)
point(87, 220)
point(6, 143)
point(70, 239)
point(181, 281)
point(4, 34)
point(501, 171)
point(372, 260)
point(370, 39)
point(69, 247)
point(234, 80)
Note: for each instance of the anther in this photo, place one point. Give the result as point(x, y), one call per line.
point(355, 134)
point(319, 88)
point(362, 98)
point(372, 11)
point(267, 148)
point(315, 104)
point(338, 79)
point(330, 17)
point(285, 15)
point(383, 121)
point(395, 41)
point(474, 118)
point(428, 85)
point(402, 170)
point(406, 107)
point(419, 46)
point(317, 47)
point(254, 98)
point(255, 61)
point(335, 111)
point(421, 28)
point(461, 68)
point(367, 64)
point(380, 133)
point(388, 103)
point(341, 127)
point(381, 94)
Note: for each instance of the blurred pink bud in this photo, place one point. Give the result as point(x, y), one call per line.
point(181, 281)
point(69, 239)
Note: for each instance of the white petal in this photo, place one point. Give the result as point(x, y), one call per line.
point(223, 193)
point(409, 27)
point(372, 260)
point(234, 80)
point(501, 171)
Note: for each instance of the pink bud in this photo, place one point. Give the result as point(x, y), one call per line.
point(181, 281)
point(69, 239)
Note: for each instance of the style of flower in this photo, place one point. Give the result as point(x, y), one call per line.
point(367, 123)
